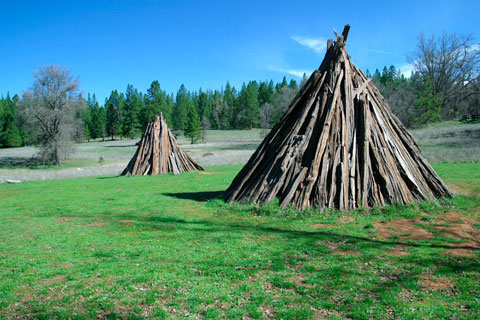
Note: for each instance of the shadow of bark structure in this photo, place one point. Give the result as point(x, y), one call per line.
point(197, 196)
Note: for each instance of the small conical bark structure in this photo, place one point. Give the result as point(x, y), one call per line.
point(159, 153)
point(338, 145)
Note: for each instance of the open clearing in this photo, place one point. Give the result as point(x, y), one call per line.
point(447, 141)
point(104, 158)
point(168, 247)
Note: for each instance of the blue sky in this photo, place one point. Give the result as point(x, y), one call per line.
point(110, 44)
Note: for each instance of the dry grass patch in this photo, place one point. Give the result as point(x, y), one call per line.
point(435, 283)
point(403, 228)
point(399, 252)
point(450, 225)
point(323, 225)
point(54, 279)
point(346, 252)
point(267, 311)
point(346, 219)
point(64, 220)
point(95, 224)
point(464, 190)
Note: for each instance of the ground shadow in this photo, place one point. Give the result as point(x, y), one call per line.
point(126, 146)
point(19, 162)
point(197, 196)
point(109, 177)
point(219, 225)
point(238, 146)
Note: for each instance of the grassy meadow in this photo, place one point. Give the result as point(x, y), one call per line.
point(168, 247)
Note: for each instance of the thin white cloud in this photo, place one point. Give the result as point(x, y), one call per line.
point(474, 47)
point(317, 44)
point(407, 69)
point(293, 72)
point(387, 53)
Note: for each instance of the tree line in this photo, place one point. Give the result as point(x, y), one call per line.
point(52, 112)
point(125, 115)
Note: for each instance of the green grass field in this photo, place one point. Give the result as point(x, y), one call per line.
point(167, 247)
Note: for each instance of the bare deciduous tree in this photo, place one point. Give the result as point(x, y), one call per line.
point(54, 104)
point(270, 113)
point(205, 127)
point(266, 114)
point(451, 62)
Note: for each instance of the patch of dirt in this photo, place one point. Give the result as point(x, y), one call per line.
point(399, 252)
point(451, 225)
point(407, 295)
point(324, 314)
point(464, 190)
point(95, 224)
point(28, 297)
point(97, 220)
point(299, 282)
point(268, 286)
point(436, 284)
point(455, 217)
point(346, 219)
point(346, 252)
point(206, 172)
point(67, 265)
point(64, 220)
point(403, 228)
point(267, 310)
point(458, 226)
point(466, 253)
point(54, 279)
point(323, 225)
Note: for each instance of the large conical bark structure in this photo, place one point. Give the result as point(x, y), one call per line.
point(338, 145)
point(159, 153)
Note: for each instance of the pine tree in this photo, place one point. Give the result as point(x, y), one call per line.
point(428, 105)
point(293, 85)
point(220, 118)
point(182, 105)
point(132, 105)
point(9, 132)
point(193, 124)
point(304, 80)
point(204, 105)
point(113, 108)
point(12, 136)
point(169, 106)
point(230, 104)
point(249, 110)
point(97, 120)
point(265, 93)
point(86, 132)
point(155, 103)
